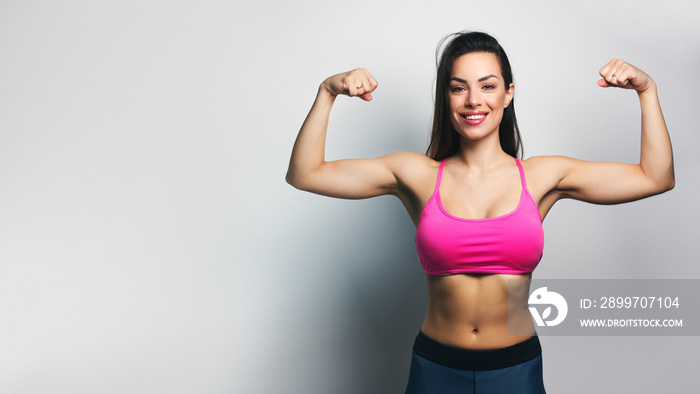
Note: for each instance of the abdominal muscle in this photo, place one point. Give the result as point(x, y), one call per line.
point(470, 311)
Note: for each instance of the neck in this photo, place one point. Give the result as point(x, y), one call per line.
point(481, 154)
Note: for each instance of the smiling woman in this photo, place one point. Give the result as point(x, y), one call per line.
point(477, 207)
point(443, 142)
point(476, 97)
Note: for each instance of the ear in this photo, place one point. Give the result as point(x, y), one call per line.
point(509, 95)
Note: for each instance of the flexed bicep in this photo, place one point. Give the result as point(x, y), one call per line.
point(612, 182)
point(358, 178)
point(308, 169)
point(605, 182)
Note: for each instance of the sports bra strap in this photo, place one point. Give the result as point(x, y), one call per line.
point(439, 177)
point(522, 173)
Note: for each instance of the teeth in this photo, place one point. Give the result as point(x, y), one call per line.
point(474, 117)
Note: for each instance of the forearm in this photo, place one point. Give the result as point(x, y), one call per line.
point(309, 148)
point(656, 157)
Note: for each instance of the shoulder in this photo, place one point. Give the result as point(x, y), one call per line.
point(405, 163)
point(412, 169)
point(409, 158)
point(547, 161)
point(547, 166)
point(544, 173)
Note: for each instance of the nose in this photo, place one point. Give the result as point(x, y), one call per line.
point(473, 98)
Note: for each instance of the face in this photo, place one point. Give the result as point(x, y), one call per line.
point(478, 95)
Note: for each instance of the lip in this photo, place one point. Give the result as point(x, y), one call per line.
point(473, 122)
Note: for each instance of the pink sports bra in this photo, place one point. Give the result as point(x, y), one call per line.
point(507, 244)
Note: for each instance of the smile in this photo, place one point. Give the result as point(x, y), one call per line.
point(473, 118)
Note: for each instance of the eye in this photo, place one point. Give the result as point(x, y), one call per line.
point(489, 87)
point(457, 89)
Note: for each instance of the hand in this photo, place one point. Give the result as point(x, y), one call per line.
point(356, 83)
point(618, 73)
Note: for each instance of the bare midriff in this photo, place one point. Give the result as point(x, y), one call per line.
point(471, 311)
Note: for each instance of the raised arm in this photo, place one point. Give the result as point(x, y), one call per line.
point(355, 178)
point(611, 183)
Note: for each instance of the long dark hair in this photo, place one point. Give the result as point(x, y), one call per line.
point(444, 140)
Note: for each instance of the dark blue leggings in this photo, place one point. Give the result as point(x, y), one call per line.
point(471, 372)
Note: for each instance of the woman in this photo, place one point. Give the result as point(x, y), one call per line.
point(478, 210)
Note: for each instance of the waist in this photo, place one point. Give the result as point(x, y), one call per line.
point(476, 360)
point(474, 311)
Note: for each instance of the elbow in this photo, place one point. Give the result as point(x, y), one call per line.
point(670, 184)
point(290, 179)
point(661, 181)
point(295, 180)
point(666, 185)
point(302, 178)
point(670, 180)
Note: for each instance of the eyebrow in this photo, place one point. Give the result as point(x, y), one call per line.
point(482, 79)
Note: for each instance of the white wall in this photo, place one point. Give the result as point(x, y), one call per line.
point(148, 242)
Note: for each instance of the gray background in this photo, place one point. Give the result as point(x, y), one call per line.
point(148, 242)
